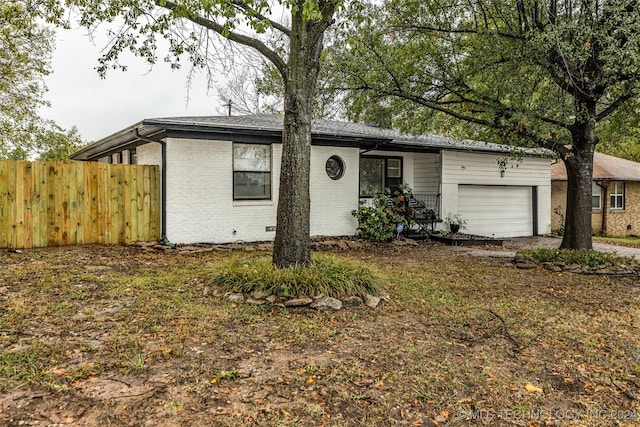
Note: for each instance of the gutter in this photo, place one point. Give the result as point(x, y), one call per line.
point(163, 187)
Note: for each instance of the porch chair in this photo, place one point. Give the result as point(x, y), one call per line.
point(425, 210)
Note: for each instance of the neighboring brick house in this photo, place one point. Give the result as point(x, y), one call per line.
point(615, 197)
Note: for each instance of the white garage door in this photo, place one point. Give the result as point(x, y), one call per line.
point(496, 211)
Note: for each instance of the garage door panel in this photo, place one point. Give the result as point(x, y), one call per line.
point(497, 211)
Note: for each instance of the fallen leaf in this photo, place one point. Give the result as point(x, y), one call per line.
point(317, 398)
point(58, 371)
point(532, 389)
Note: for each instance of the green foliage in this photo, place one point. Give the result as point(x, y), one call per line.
point(328, 275)
point(25, 52)
point(520, 72)
point(379, 220)
point(36, 364)
point(619, 132)
point(58, 145)
point(588, 258)
point(228, 375)
point(192, 29)
point(497, 66)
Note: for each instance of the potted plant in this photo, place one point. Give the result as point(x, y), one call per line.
point(456, 222)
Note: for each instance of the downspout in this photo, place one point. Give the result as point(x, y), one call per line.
point(604, 196)
point(163, 187)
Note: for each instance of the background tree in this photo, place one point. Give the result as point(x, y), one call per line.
point(25, 50)
point(620, 132)
point(327, 102)
point(192, 28)
point(530, 72)
point(57, 144)
point(260, 89)
point(244, 89)
point(26, 46)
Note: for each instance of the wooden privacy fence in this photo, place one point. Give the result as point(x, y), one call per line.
point(68, 203)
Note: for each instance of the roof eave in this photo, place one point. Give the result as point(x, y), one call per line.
point(121, 140)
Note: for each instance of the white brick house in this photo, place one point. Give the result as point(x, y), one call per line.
point(221, 176)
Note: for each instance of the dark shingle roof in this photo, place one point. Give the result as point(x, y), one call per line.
point(326, 129)
point(268, 122)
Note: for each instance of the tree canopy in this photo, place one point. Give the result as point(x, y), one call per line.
point(620, 132)
point(529, 72)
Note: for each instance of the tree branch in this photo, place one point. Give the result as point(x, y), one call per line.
point(242, 5)
point(550, 143)
point(613, 106)
point(425, 28)
point(438, 107)
point(251, 42)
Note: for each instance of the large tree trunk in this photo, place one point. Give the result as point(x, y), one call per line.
point(292, 243)
point(577, 231)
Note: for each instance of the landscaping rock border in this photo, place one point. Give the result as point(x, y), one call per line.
point(525, 262)
point(318, 243)
point(319, 302)
point(460, 239)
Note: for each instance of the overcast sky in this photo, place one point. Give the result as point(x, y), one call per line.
point(98, 108)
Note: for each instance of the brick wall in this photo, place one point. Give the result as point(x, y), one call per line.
point(200, 205)
point(626, 222)
point(618, 221)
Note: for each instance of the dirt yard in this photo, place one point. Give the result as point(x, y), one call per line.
point(132, 336)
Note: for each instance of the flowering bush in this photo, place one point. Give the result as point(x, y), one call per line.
point(381, 220)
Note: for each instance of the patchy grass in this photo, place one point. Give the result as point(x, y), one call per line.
point(633, 242)
point(328, 275)
point(587, 258)
point(117, 336)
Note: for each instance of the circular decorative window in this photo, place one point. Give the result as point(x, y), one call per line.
point(334, 167)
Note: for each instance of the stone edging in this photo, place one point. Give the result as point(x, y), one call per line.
point(319, 302)
point(524, 262)
point(317, 244)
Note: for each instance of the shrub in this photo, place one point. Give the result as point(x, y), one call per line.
point(328, 275)
point(380, 220)
point(376, 222)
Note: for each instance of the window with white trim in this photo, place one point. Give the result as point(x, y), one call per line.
point(616, 195)
point(596, 196)
point(251, 171)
